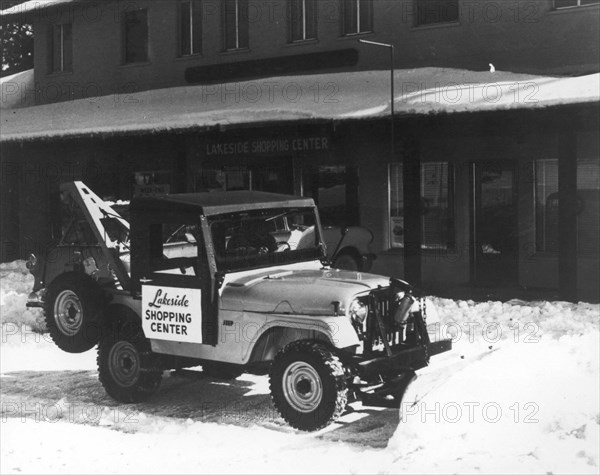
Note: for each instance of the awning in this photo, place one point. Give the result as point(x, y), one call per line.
point(310, 98)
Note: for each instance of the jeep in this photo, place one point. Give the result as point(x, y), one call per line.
point(233, 282)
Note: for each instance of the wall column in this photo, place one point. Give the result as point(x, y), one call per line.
point(567, 216)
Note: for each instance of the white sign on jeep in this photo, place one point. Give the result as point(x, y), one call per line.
point(172, 313)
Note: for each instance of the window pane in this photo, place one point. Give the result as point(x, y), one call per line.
point(311, 19)
point(136, 36)
point(565, 3)
point(436, 11)
point(197, 27)
point(243, 24)
point(56, 49)
point(184, 27)
point(335, 191)
point(588, 198)
point(366, 15)
point(588, 206)
point(67, 47)
point(296, 33)
point(546, 205)
point(349, 17)
point(396, 205)
point(230, 23)
point(436, 205)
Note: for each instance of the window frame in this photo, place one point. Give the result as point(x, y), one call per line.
point(193, 28)
point(124, 41)
point(418, 24)
point(450, 245)
point(64, 68)
point(540, 227)
point(579, 5)
point(304, 20)
point(358, 27)
point(238, 39)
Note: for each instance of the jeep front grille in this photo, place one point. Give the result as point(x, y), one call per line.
point(381, 328)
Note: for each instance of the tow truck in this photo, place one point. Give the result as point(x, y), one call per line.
point(233, 282)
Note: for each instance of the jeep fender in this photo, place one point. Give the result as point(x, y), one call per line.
point(121, 304)
point(278, 332)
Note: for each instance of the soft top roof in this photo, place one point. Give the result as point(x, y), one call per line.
point(221, 202)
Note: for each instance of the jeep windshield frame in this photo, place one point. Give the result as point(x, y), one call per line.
point(251, 239)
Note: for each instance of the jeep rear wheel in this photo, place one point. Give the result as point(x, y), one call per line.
point(127, 367)
point(73, 309)
point(308, 385)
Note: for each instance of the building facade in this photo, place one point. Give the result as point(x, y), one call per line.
point(89, 49)
point(489, 196)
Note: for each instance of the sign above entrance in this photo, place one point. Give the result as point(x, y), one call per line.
point(274, 146)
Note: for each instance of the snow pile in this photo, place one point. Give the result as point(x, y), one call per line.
point(11, 87)
point(518, 394)
point(530, 404)
point(15, 285)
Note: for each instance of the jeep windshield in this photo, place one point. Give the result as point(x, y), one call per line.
point(261, 238)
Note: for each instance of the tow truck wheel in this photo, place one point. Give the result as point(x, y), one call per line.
point(73, 309)
point(308, 385)
point(127, 367)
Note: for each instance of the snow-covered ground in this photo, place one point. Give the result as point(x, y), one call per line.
point(518, 394)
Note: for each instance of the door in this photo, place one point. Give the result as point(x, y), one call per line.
point(495, 225)
point(176, 285)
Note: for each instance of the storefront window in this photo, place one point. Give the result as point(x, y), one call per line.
point(588, 206)
point(148, 183)
point(335, 191)
point(436, 205)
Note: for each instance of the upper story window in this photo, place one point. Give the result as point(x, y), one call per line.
point(431, 12)
point(190, 27)
point(303, 20)
point(574, 3)
point(235, 24)
point(357, 16)
point(61, 49)
point(135, 32)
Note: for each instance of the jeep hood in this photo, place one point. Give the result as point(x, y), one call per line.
point(303, 292)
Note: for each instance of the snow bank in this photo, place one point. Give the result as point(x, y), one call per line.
point(15, 285)
point(530, 405)
point(521, 395)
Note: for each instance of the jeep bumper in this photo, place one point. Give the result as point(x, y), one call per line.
point(35, 299)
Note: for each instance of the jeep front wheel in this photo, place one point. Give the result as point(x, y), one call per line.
point(308, 385)
point(72, 310)
point(127, 367)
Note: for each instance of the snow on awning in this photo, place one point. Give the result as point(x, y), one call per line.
point(321, 97)
point(32, 6)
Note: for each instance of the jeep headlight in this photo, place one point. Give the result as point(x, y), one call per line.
point(358, 311)
point(31, 262)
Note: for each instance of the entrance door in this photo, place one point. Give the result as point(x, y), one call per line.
point(495, 225)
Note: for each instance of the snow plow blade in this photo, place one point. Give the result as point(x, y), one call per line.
point(404, 363)
point(409, 359)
